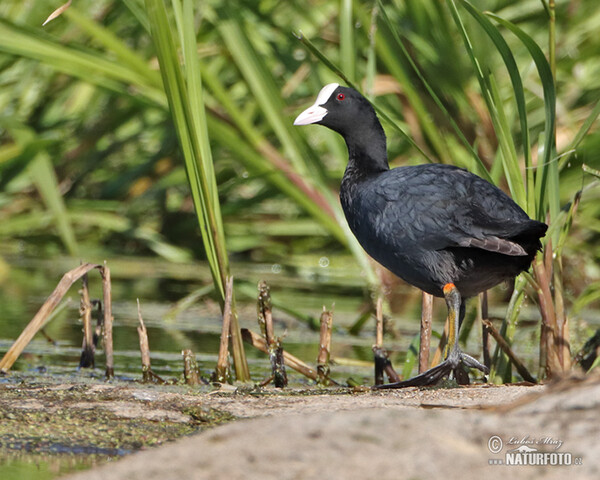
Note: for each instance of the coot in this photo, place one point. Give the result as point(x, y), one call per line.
point(438, 227)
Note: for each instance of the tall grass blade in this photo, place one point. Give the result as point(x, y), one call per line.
point(519, 95)
point(184, 93)
point(547, 194)
point(371, 67)
point(583, 131)
point(347, 44)
point(179, 103)
point(493, 100)
point(114, 44)
point(90, 67)
point(44, 177)
point(508, 149)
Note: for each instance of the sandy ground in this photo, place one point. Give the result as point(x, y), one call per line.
point(414, 434)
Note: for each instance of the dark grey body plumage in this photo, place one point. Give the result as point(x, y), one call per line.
point(417, 221)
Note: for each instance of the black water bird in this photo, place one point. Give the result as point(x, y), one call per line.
point(438, 227)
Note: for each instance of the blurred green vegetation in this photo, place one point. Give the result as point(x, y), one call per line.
point(90, 163)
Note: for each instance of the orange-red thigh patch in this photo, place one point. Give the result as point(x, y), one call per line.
point(449, 287)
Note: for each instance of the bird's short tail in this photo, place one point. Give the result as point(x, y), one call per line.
point(529, 238)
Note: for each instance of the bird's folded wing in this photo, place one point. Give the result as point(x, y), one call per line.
point(494, 244)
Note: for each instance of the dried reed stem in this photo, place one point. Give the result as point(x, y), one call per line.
point(379, 321)
point(190, 368)
point(108, 321)
point(265, 321)
point(290, 360)
point(264, 308)
point(324, 347)
point(278, 365)
point(380, 354)
point(522, 369)
point(380, 359)
point(383, 365)
point(144, 346)
point(46, 309)
point(425, 332)
point(391, 373)
point(549, 361)
point(563, 344)
point(222, 372)
point(485, 332)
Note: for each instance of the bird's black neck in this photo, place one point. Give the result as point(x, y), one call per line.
point(367, 152)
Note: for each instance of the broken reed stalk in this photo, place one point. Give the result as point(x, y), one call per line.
point(278, 364)
point(108, 321)
point(522, 369)
point(144, 346)
point(549, 362)
point(85, 311)
point(147, 374)
point(425, 332)
point(324, 347)
point(46, 309)
point(190, 368)
point(380, 354)
point(383, 365)
point(240, 363)
point(485, 332)
point(222, 372)
point(379, 322)
point(265, 321)
point(563, 343)
point(390, 372)
point(290, 360)
point(265, 307)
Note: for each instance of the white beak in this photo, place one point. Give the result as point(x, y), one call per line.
point(316, 112)
point(312, 114)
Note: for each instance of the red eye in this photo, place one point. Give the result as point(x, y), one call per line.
point(340, 96)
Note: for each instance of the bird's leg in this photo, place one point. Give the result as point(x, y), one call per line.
point(453, 302)
point(453, 357)
point(456, 314)
point(455, 319)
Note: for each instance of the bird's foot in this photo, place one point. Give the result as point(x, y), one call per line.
point(452, 365)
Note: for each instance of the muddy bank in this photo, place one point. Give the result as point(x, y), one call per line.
point(388, 435)
point(311, 433)
point(95, 418)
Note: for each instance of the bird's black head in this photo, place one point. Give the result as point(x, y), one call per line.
point(341, 109)
point(347, 112)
